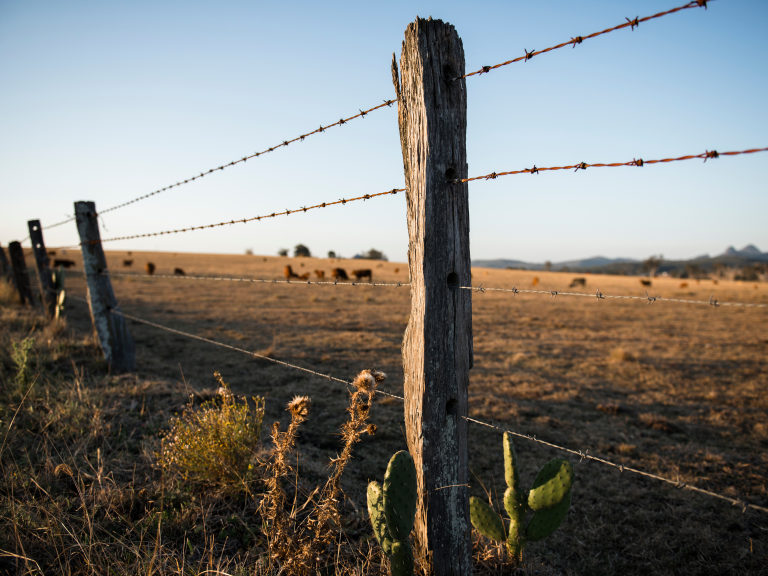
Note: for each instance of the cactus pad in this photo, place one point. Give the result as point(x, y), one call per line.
point(510, 463)
point(376, 512)
point(400, 496)
point(544, 522)
point(515, 503)
point(552, 484)
point(401, 559)
point(485, 520)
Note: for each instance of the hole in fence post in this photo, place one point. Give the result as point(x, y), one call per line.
point(452, 406)
point(453, 280)
point(450, 174)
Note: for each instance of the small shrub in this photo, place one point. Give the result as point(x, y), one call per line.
point(20, 355)
point(621, 355)
point(214, 444)
point(8, 295)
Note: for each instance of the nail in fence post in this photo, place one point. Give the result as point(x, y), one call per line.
point(5, 268)
point(47, 289)
point(437, 346)
point(20, 276)
point(111, 329)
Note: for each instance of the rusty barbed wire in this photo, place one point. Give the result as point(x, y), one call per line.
point(582, 454)
point(714, 302)
point(244, 220)
point(322, 128)
point(707, 155)
point(236, 349)
point(579, 39)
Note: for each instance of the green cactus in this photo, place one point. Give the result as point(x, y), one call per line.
point(392, 509)
point(549, 498)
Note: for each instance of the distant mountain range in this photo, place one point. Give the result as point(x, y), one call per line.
point(731, 257)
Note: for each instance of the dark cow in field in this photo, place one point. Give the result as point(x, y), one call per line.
point(578, 282)
point(360, 274)
point(127, 263)
point(646, 283)
point(149, 268)
point(63, 263)
point(289, 273)
point(178, 272)
point(339, 274)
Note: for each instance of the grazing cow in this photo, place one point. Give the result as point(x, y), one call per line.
point(646, 283)
point(683, 284)
point(51, 252)
point(289, 273)
point(578, 282)
point(397, 270)
point(360, 274)
point(127, 263)
point(178, 272)
point(339, 274)
point(150, 268)
point(535, 281)
point(63, 263)
point(304, 276)
point(320, 274)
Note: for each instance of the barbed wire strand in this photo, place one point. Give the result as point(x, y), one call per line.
point(581, 454)
point(713, 154)
point(579, 39)
point(600, 296)
point(221, 344)
point(480, 288)
point(584, 455)
point(244, 220)
point(248, 280)
point(322, 128)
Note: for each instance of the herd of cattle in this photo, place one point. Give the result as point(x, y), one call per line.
point(336, 274)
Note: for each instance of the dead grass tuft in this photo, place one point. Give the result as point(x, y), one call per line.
point(610, 408)
point(621, 355)
point(8, 294)
point(657, 422)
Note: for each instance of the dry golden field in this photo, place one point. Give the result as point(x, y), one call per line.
point(678, 390)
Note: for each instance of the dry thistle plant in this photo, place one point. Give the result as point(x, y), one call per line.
point(213, 445)
point(301, 542)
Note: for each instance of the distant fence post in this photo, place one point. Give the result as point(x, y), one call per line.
point(437, 346)
point(111, 329)
point(47, 289)
point(20, 276)
point(5, 268)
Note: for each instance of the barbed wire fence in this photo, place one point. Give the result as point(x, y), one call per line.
point(552, 294)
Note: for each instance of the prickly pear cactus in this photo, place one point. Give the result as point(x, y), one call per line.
point(379, 522)
point(400, 495)
point(546, 521)
point(552, 483)
point(392, 508)
point(485, 520)
point(549, 498)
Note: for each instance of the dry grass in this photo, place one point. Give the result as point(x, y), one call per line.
point(688, 401)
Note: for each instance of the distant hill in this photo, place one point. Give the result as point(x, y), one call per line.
point(594, 262)
point(731, 258)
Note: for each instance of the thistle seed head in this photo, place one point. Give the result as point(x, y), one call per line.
point(299, 406)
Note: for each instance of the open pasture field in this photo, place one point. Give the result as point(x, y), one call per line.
point(678, 390)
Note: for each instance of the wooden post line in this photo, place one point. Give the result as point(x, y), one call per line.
point(20, 275)
point(44, 276)
point(437, 346)
point(111, 329)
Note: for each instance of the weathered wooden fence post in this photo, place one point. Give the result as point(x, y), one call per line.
point(437, 347)
point(44, 276)
point(5, 268)
point(111, 329)
point(20, 276)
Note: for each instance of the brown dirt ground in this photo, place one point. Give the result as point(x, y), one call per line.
point(674, 389)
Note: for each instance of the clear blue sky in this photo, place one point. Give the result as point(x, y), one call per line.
point(106, 101)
